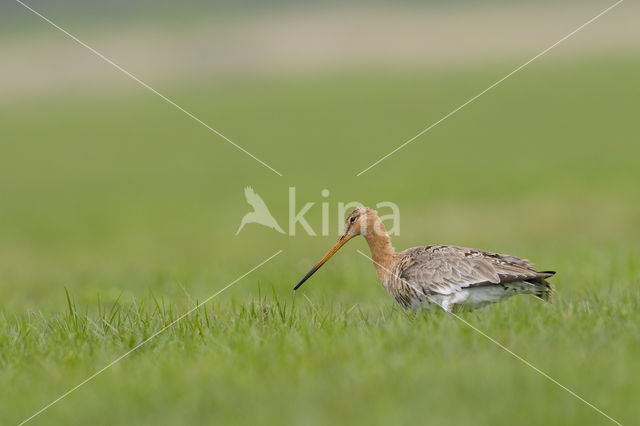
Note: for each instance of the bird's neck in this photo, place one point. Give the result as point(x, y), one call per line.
point(382, 251)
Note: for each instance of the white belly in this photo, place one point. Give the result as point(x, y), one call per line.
point(476, 297)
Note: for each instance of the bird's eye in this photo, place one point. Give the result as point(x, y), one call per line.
point(353, 219)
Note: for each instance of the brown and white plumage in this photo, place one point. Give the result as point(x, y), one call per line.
point(454, 278)
point(457, 276)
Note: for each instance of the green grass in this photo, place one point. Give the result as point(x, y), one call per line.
point(275, 360)
point(132, 208)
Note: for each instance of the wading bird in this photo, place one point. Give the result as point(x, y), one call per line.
point(453, 278)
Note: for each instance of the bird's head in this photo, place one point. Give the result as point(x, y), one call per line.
point(361, 221)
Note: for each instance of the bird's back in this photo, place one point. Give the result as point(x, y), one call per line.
point(457, 274)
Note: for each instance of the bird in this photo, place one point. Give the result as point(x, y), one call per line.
point(456, 279)
point(260, 213)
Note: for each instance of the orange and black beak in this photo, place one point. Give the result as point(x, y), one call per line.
point(341, 241)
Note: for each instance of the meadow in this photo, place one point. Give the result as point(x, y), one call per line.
point(119, 213)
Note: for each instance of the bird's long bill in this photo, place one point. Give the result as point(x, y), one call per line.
point(341, 241)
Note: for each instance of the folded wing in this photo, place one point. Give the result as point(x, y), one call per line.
point(448, 269)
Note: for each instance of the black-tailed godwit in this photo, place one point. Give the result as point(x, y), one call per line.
point(454, 278)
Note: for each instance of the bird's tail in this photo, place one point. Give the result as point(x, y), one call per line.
point(543, 288)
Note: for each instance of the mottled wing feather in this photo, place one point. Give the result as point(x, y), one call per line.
point(448, 269)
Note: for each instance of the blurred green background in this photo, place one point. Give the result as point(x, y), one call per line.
point(109, 191)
